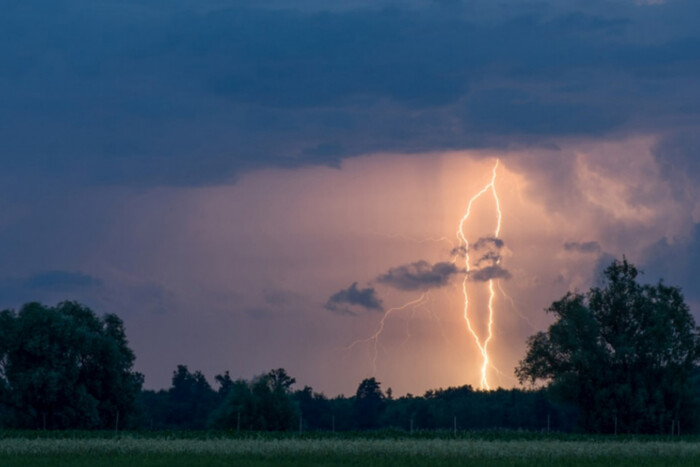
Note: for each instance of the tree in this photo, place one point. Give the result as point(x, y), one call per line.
point(315, 408)
point(369, 403)
point(279, 380)
point(262, 404)
point(225, 384)
point(624, 353)
point(65, 367)
point(273, 393)
point(191, 399)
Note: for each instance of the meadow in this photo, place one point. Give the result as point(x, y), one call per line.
point(381, 449)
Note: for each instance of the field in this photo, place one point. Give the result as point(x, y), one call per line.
point(185, 449)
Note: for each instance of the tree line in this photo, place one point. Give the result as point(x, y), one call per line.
point(622, 357)
point(270, 403)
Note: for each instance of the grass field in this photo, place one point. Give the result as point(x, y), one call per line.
point(171, 450)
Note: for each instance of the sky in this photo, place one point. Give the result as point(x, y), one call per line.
point(260, 184)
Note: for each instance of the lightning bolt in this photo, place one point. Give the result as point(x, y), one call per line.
point(482, 344)
point(374, 338)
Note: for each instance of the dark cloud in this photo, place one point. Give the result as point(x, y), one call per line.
point(458, 251)
point(61, 280)
point(341, 301)
point(583, 247)
point(488, 242)
point(131, 93)
point(492, 244)
point(488, 265)
point(488, 272)
point(492, 257)
point(490, 248)
point(61, 285)
point(420, 275)
point(511, 110)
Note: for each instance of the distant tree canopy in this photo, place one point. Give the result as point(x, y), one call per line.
point(65, 367)
point(262, 404)
point(624, 353)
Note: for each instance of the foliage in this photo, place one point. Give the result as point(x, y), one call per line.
point(65, 367)
point(624, 353)
point(267, 403)
point(479, 410)
point(262, 404)
point(369, 403)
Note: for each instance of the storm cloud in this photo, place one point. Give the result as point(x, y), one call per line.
point(488, 265)
point(487, 273)
point(420, 275)
point(343, 300)
point(132, 93)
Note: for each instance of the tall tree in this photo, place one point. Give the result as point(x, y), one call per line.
point(369, 403)
point(65, 367)
point(624, 353)
point(191, 398)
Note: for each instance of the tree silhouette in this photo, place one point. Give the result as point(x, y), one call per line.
point(262, 404)
point(624, 353)
point(369, 403)
point(65, 367)
point(191, 398)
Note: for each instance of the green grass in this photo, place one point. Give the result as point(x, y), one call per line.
point(158, 460)
point(78, 449)
point(399, 434)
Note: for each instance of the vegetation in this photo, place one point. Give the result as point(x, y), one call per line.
point(624, 354)
point(345, 451)
point(63, 367)
point(265, 404)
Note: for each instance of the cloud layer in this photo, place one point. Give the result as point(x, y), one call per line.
point(130, 93)
point(420, 275)
point(343, 300)
point(48, 285)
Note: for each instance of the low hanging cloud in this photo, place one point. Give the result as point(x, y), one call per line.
point(488, 242)
point(493, 246)
point(60, 280)
point(487, 273)
point(45, 286)
point(488, 266)
point(492, 257)
point(343, 300)
point(489, 249)
point(583, 247)
point(420, 275)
